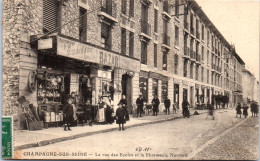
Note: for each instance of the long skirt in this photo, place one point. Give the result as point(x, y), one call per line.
point(101, 115)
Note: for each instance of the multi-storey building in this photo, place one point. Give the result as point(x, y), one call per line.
point(249, 86)
point(114, 47)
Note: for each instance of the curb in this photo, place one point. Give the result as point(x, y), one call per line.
point(56, 140)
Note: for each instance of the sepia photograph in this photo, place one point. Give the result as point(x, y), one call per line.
point(130, 79)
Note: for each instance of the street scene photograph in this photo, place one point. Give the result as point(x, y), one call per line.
point(130, 79)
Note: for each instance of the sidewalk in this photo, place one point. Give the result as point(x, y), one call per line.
point(27, 139)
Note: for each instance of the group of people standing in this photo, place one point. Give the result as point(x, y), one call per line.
point(254, 109)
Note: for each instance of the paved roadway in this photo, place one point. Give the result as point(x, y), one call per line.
point(185, 138)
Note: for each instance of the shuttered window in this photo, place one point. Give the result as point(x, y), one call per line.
point(123, 41)
point(131, 8)
point(82, 24)
point(50, 15)
point(131, 44)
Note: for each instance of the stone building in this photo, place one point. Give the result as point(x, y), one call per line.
point(250, 87)
point(113, 48)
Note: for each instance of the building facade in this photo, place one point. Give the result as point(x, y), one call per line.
point(113, 48)
point(250, 87)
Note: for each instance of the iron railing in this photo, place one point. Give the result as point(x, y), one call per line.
point(109, 7)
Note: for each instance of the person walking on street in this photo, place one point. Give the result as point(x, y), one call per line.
point(123, 101)
point(174, 107)
point(167, 104)
point(238, 109)
point(120, 116)
point(68, 114)
point(245, 108)
point(140, 104)
point(156, 104)
point(185, 108)
point(88, 113)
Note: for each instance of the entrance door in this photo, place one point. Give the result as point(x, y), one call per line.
point(185, 94)
point(176, 93)
point(191, 96)
point(127, 90)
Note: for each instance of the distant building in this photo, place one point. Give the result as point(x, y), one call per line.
point(248, 86)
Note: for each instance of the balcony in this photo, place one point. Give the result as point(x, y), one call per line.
point(145, 29)
point(166, 41)
point(108, 10)
point(186, 52)
point(192, 55)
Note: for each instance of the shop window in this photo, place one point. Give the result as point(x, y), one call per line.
point(155, 55)
point(155, 87)
point(143, 85)
point(50, 15)
point(131, 44)
point(123, 7)
point(131, 8)
point(144, 52)
point(106, 86)
point(82, 24)
point(164, 90)
point(106, 35)
point(123, 41)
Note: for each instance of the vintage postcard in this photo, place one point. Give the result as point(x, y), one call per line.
point(130, 79)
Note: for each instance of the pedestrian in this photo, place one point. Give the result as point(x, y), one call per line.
point(174, 107)
point(109, 111)
point(211, 112)
point(167, 104)
point(140, 104)
point(123, 101)
point(68, 114)
point(101, 111)
point(245, 108)
point(120, 116)
point(185, 108)
point(156, 103)
point(238, 109)
point(88, 113)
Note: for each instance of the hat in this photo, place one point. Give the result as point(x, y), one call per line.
point(21, 100)
point(140, 94)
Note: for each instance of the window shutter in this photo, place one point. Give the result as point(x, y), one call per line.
point(50, 14)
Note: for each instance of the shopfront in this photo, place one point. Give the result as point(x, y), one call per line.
point(91, 72)
point(143, 85)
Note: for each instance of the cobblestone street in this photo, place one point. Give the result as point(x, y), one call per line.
point(175, 139)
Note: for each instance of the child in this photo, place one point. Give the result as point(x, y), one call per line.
point(68, 114)
point(120, 116)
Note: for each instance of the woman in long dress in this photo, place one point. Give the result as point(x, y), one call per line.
point(101, 111)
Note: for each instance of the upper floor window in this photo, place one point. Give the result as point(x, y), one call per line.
point(143, 52)
point(106, 35)
point(131, 44)
point(165, 60)
point(123, 6)
point(123, 41)
point(155, 55)
point(176, 35)
point(131, 8)
point(155, 20)
point(177, 8)
point(202, 32)
point(82, 24)
point(50, 15)
point(176, 63)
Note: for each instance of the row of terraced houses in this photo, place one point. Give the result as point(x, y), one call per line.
point(168, 48)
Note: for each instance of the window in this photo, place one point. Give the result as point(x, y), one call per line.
point(164, 90)
point(131, 44)
point(207, 56)
point(82, 24)
point(165, 60)
point(177, 8)
point(191, 24)
point(50, 15)
point(155, 55)
point(123, 6)
point(202, 32)
point(202, 74)
point(106, 35)
point(144, 52)
point(155, 87)
point(143, 85)
point(123, 41)
point(197, 72)
point(176, 35)
point(176, 61)
point(131, 8)
point(185, 63)
point(202, 53)
point(191, 70)
point(155, 20)
point(207, 76)
point(207, 37)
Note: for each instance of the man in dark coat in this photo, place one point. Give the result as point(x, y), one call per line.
point(88, 113)
point(156, 104)
point(238, 109)
point(185, 109)
point(68, 114)
point(167, 104)
point(140, 104)
point(245, 113)
point(120, 116)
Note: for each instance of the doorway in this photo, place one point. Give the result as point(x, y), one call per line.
point(127, 90)
point(191, 96)
point(176, 93)
point(185, 94)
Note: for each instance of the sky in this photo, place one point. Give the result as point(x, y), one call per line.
point(238, 22)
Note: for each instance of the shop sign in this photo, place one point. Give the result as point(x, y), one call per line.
point(88, 53)
point(104, 74)
point(44, 44)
